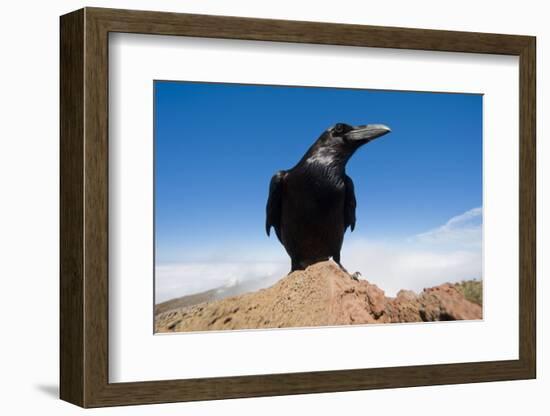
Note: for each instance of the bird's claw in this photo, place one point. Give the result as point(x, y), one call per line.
point(356, 276)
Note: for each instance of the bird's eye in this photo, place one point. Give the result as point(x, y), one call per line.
point(338, 128)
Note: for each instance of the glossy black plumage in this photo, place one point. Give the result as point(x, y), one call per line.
point(311, 205)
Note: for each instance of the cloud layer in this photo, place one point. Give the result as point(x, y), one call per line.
point(449, 253)
point(175, 280)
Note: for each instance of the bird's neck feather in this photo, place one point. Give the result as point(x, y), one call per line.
point(331, 160)
point(318, 169)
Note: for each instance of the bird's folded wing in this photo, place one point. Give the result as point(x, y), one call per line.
point(274, 202)
point(349, 204)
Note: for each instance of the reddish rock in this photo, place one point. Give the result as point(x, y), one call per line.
point(318, 296)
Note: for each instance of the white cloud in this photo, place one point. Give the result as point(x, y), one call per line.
point(175, 280)
point(449, 253)
point(464, 230)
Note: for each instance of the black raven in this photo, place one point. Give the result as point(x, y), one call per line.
point(311, 205)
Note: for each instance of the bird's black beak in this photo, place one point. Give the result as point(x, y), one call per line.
point(364, 134)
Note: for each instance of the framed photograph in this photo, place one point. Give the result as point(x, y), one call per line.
point(254, 207)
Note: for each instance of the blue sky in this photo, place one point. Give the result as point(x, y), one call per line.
point(217, 146)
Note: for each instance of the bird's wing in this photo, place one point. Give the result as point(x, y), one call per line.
point(274, 203)
point(350, 204)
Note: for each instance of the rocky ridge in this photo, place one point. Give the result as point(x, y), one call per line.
point(321, 295)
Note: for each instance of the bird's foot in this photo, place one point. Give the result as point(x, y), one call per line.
point(356, 276)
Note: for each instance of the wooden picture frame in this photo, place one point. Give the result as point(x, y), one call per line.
point(84, 207)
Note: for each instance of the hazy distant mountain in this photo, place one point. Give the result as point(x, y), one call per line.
point(233, 288)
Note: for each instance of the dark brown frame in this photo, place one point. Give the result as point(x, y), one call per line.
point(84, 208)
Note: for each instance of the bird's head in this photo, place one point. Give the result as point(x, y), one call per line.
point(338, 143)
point(344, 135)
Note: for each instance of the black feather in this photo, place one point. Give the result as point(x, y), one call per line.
point(274, 203)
